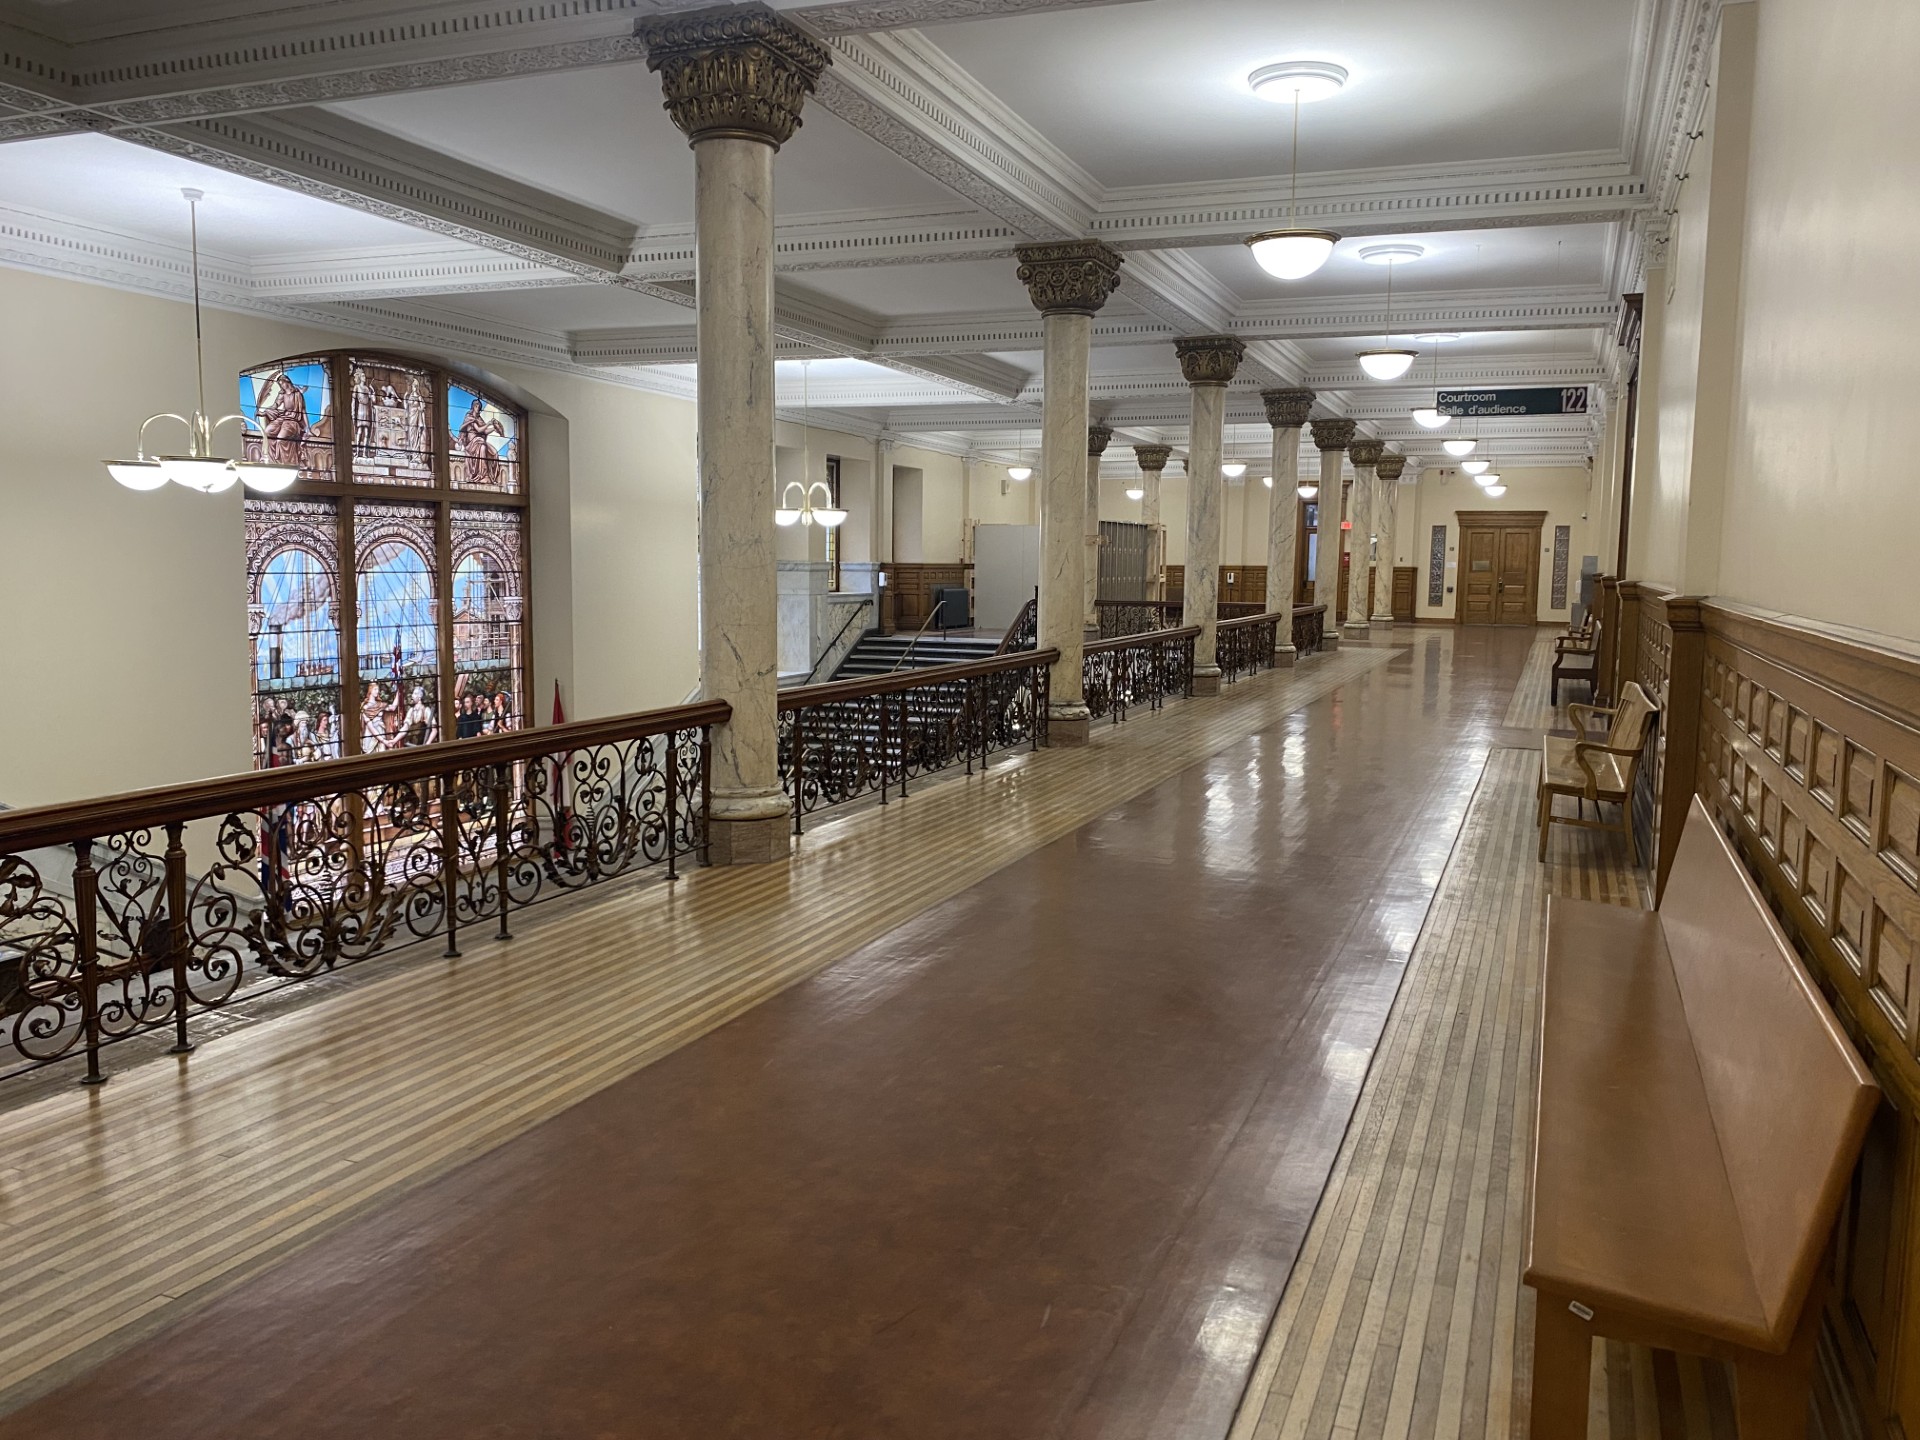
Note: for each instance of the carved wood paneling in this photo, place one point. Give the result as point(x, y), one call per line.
point(1809, 754)
point(912, 585)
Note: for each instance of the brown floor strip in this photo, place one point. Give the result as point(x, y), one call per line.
point(1035, 1162)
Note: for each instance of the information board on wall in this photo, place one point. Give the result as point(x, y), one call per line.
point(1527, 400)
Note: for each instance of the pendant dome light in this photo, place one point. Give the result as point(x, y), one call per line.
point(1232, 469)
point(1388, 363)
point(1295, 253)
point(1476, 467)
point(1021, 471)
point(1496, 491)
point(1267, 480)
point(199, 469)
point(1458, 448)
point(1306, 490)
point(827, 514)
point(1428, 417)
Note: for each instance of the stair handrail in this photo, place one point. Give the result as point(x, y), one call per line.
point(907, 654)
point(851, 617)
point(1025, 626)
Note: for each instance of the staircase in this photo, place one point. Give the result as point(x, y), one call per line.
point(877, 654)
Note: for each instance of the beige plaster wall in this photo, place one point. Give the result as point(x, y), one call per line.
point(1564, 493)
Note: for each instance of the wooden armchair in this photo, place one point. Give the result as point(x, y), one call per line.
point(1601, 770)
point(1576, 656)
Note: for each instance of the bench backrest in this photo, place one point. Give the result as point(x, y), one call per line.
point(1631, 718)
point(1791, 1100)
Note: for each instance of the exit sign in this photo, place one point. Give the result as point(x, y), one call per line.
point(1531, 400)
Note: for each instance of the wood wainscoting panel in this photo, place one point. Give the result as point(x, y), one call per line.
point(913, 584)
point(1809, 754)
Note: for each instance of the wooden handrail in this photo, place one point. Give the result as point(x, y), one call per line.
point(67, 822)
point(1271, 617)
point(803, 697)
point(1143, 638)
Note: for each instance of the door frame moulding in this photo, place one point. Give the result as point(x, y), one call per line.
point(1465, 520)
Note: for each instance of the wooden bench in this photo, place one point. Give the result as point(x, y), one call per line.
point(1602, 771)
point(1700, 1114)
point(1576, 656)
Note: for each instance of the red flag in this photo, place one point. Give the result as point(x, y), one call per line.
point(559, 711)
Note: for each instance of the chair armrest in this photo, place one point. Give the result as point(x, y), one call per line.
point(1582, 748)
point(1574, 645)
point(1576, 710)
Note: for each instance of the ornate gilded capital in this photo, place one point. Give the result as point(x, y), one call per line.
point(739, 71)
point(1098, 437)
point(1209, 359)
point(1365, 452)
point(1391, 466)
point(1287, 409)
point(1153, 458)
point(1069, 277)
point(1330, 434)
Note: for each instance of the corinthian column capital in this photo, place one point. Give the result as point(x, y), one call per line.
point(1287, 409)
point(1098, 438)
point(736, 71)
point(1365, 452)
point(1209, 359)
point(1153, 458)
point(1330, 434)
point(1391, 466)
point(1069, 277)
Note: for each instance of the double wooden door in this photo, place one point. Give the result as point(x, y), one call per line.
point(1499, 578)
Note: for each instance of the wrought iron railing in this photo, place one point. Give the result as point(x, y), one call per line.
point(1137, 617)
point(1244, 646)
point(1309, 624)
point(1024, 632)
point(851, 738)
point(1133, 670)
point(138, 912)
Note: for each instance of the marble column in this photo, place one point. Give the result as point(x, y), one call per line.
point(1287, 411)
point(735, 81)
point(1098, 438)
point(1068, 281)
point(1331, 437)
point(1152, 460)
point(1386, 508)
point(1365, 454)
point(1209, 363)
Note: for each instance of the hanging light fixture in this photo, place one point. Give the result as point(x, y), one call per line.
point(1267, 480)
point(1476, 467)
point(199, 469)
point(1022, 471)
point(1294, 253)
point(1387, 363)
point(1233, 469)
point(1487, 479)
point(1458, 448)
point(827, 515)
point(1496, 491)
point(1428, 417)
point(1306, 490)
point(1136, 491)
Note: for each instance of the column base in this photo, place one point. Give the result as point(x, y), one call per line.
point(1384, 622)
point(747, 842)
point(1330, 638)
point(1284, 657)
point(1069, 726)
point(1356, 629)
point(1206, 680)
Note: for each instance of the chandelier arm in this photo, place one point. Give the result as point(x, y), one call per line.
point(141, 443)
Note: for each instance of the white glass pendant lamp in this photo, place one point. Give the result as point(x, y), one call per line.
point(1233, 469)
point(1496, 491)
point(827, 514)
point(1136, 491)
point(1476, 467)
point(1307, 491)
point(200, 468)
point(1428, 417)
point(1388, 362)
point(1458, 448)
point(1295, 252)
point(1021, 470)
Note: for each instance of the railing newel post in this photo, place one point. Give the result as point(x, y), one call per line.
point(176, 862)
point(86, 896)
point(706, 794)
point(673, 804)
point(798, 767)
point(502, 845)
point(450, 863)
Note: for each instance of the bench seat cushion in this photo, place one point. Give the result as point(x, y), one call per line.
point(1631, 1202)
point(1560, 770)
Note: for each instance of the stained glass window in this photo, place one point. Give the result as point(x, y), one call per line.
point(483, 440)
point(392, 439)
point(290, 407)
point(380, 613)
point(293, 630)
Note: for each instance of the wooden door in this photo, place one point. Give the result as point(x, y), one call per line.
point(1499, 577)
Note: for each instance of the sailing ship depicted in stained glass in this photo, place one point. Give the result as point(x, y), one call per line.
point(293, 631)
point(392, 441)
point(399, 627)
point(483, 439)
point(488, 643)
point(291, 407)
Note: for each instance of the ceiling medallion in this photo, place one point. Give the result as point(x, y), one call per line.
point(1303, 80)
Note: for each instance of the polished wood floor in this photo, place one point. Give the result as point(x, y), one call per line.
point(1022, 1139)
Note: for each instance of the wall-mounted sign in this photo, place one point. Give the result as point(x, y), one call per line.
point(1531, 400)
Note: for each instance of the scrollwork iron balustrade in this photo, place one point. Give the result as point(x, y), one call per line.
point(137, 912)
point(1309, 623)
point(1024, 632)
point(851, 738)
point(1133, 670)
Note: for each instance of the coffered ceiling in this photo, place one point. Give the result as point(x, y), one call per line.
point(501, 180)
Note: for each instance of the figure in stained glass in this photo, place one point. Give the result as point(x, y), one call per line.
point(390, 442)
point(290, 406)
point(485, 440)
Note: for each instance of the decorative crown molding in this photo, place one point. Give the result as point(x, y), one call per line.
point(1332, 434)
point(1068, 277)
point(1209, 359)
point(1287, 409)
point(737, 72)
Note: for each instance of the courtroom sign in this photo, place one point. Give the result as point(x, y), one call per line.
point(1532, 400)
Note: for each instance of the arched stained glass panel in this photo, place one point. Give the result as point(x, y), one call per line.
point(293, 631)
point(399, 629)
point(290, 407)
point(488, 620)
